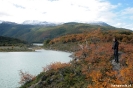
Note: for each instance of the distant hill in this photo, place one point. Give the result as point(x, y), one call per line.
point(39, 33)
point(7, 41)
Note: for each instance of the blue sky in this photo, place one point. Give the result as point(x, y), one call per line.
point(118, 13)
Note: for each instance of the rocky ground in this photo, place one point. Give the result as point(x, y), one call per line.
point(116, 66)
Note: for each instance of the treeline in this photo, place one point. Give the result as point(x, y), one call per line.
point(7, 41)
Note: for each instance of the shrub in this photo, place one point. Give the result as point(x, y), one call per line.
point(25, 77)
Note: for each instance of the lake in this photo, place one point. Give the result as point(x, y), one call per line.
point(32, 62)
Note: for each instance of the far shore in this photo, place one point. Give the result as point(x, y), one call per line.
point(14, 49)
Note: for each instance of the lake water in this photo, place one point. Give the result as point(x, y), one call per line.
point(38, 44)
point(32, 62)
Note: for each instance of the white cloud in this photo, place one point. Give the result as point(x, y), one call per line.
point(124, 18)
point(126, 25)
point(57, 10)
point(2, 14)
point(128, 10)
point(131, 17)
point(64, 11)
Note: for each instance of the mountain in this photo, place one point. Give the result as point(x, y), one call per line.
point(7, 22)
point(39, 33)
point(45, 23)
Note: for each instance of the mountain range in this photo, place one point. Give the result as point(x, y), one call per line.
point(45, 23)
point(38, 31)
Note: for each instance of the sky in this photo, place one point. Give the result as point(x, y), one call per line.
point(118, 13)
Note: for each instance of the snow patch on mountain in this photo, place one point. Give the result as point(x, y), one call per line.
point(45, 23)
point(36, 22)
point(7, 22)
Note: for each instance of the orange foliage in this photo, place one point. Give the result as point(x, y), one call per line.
point(101, 73)
point(55, 66)
point(26, 77)
point(98, 55)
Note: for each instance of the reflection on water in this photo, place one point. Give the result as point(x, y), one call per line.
point(31, 62)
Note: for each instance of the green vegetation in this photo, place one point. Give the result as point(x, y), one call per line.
point(7, 41)
point(8, 44)
point(59, 78)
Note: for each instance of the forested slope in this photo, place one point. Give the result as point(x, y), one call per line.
point(7, 41)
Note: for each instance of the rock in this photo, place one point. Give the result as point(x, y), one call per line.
point(116, 66)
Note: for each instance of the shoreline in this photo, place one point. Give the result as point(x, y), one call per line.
point(15, 49)
point(30, 49)
point(71, 56)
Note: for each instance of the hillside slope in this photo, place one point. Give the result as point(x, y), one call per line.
point(8, 44)
point(91, 66)
point(7, 41)
point(39, 33)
